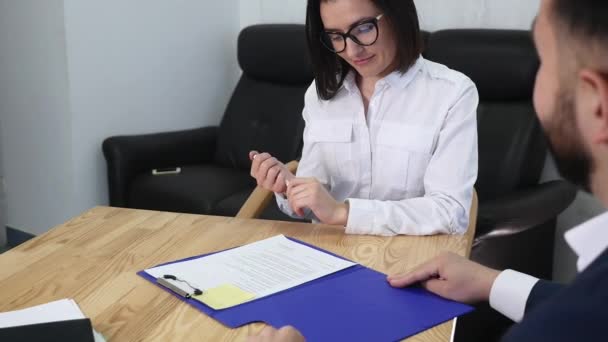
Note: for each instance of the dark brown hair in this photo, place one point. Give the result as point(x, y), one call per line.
point(330, 70)
point(587, 19)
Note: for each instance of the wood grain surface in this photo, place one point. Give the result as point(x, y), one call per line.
point(94, 258)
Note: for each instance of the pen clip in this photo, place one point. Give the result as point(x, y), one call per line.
point(164, 281)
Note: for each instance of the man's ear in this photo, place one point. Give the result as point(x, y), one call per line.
point(593, 103)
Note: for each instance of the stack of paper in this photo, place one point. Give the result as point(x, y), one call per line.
point(61, 310)
point(253, 271)
point(57, 311)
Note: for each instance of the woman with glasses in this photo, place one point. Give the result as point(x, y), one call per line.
point(390, 144)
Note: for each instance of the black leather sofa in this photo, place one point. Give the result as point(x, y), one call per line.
point(264, 113)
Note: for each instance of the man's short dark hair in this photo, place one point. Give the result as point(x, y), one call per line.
point(587, 19)
point(330, 70)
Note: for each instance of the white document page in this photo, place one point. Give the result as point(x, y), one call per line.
point(261, 268)
point(61, 310)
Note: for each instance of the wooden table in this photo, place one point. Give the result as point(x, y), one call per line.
point(93, 258)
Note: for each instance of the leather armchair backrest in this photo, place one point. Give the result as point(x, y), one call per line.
point(265, 111)
point(503, 65)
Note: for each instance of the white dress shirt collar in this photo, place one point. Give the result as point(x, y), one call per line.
point(589, 240)
point(394, 79)
point(511, 289)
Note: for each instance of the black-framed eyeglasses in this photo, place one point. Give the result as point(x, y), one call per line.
point(364, 33)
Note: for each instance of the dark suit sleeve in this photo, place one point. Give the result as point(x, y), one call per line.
point(542, 291)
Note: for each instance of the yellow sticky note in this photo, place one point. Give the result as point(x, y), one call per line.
point(224, 296)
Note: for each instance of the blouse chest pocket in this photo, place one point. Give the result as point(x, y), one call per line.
point(405, 152)
point(333, 142)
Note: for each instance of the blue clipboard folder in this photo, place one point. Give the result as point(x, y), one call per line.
point(355, 304)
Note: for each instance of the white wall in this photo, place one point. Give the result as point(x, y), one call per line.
point(36, 125)
point(434, 14)
point(272, 11)
point(74, 72)
point(143, 66)
point(511, 14)
point(2, 195)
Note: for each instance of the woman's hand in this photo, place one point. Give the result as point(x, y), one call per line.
point(269, 173)
point(305, 193)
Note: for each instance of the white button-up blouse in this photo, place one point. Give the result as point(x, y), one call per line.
point(409, 165)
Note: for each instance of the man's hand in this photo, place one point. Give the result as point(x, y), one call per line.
point(270, 334)
point(305, 193)
point(452, 277)
point(269, 173)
